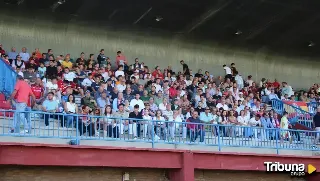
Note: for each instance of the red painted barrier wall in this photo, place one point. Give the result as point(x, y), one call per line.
point(181, 162)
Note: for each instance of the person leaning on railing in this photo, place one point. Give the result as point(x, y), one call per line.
point(136, 115)
point(197, 129)
point(159, 122)
point(85, 123)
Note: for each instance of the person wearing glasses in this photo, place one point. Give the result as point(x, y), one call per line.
point(18, 63)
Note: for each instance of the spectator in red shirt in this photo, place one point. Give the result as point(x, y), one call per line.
point(38, 89)
point(276, 84)
point(121, 59)
point(37, 53)
point(22, 92)
point(173, 91)
point(157, 73)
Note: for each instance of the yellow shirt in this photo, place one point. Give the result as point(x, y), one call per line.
point(67, 64)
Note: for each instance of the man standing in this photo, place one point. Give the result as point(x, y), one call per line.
point(228, 72)
point(21, 93)
point(134, 124)
point(185, 67)
point(196, 129)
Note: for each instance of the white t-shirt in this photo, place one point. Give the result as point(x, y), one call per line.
point(105, 76)
point(71, 107)
point(228, 70)
point(69, 76)
point(51, 86)
point(133, 102)
point(121, 87)
point(118, 72)
point(243, 120)
point(86, 82)
point(158, 87)
point(225, 106)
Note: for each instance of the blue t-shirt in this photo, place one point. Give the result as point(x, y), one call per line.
point(50, 105)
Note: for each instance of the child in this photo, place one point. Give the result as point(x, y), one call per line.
point(42, 70)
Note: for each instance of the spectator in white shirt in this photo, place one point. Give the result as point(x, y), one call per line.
point(19, 72)
point(228, 72)
point(18, 63)
point(136, 101)
point(119, 71)
point(24, 54)
point(52, 85)
point(69, 76)
point(238, 78)
point(163, 105)
point(87, 81)
point(223, 105)
point(157, 85)
point(273, 95)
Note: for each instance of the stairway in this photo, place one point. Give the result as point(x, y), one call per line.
point(299, 118)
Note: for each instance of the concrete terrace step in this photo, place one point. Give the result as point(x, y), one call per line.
point(40, 132)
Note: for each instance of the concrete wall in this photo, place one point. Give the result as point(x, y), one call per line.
point(36, 31)
point(19, 173)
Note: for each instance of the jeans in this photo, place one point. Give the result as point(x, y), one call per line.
point(47, 117)
point(113, 131)
point(28, 116)
point(83, 128)
point(20, 117)
point(68, 121)
point(195, 133)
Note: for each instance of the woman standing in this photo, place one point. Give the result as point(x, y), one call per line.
point(147, 124)
point(159, 124)
point(85, 123)
point(243, 122)
point(110, 127)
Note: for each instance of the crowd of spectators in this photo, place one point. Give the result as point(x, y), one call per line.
point(118, 87)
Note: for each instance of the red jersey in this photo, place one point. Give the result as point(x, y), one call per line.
point(157, 74)
point(37, 90)
point(276, 84)
point(60, 84)
point(71, 85)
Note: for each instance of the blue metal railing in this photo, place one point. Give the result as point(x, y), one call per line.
point(7, 78)
point(89, 127)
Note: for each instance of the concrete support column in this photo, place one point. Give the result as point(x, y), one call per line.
point(186, 173)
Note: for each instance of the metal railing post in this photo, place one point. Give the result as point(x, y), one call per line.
point(77, 132)
point(219, 141)
point(152, 135)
